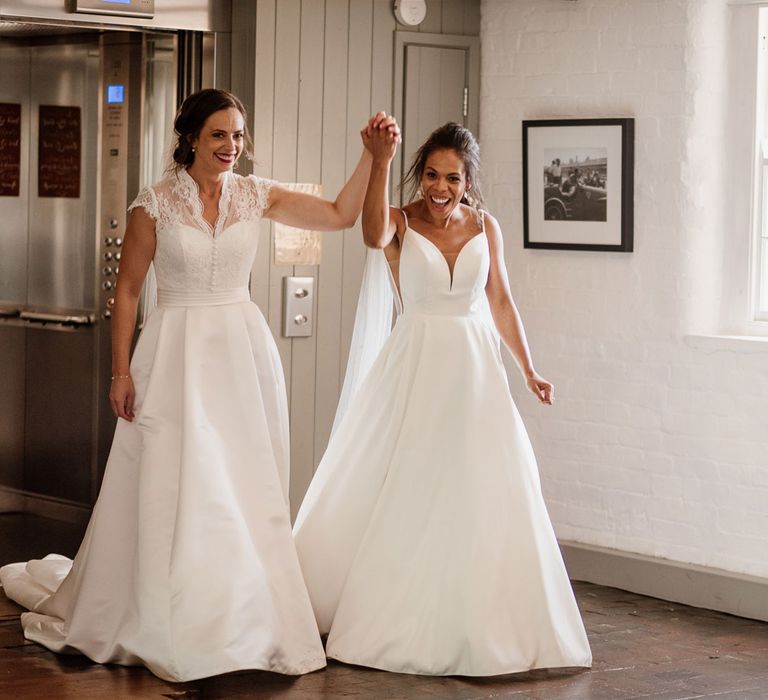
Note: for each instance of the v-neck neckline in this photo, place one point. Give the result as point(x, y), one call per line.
point(451, 272)
point(198, 209)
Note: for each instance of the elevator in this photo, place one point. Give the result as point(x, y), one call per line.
point(88, 91)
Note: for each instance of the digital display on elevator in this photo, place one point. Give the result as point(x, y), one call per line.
point(115, 94)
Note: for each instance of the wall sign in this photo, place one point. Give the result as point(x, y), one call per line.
point(10, 149)
point(59, 152)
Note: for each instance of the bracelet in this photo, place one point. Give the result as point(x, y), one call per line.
point(120, 376)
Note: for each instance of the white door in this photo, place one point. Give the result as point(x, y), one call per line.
point(436, 81)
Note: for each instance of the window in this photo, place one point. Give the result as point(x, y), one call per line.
point(759, 310)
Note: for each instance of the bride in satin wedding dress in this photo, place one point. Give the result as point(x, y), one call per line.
point(188, 564)
point(424, 538)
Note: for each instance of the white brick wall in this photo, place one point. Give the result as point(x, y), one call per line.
point(655, 445)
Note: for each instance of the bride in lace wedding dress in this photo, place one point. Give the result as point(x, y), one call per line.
point(188, 564)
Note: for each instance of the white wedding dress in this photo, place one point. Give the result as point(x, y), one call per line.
point(424, 539)
point(188, 565)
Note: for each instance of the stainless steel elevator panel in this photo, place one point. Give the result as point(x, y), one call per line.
point(61, 241)
point(120, 133)
point(194, 15)
point(58, 441)
point(14, 89)
point(13, 341)
point(61, 251)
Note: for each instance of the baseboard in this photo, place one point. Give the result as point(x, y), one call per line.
point(701, 587)
point(16, 501)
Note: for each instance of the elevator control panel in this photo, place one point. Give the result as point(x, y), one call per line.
point(114, 164)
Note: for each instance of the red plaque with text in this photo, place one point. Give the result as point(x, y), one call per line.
point(10, 149)
point(59, 150)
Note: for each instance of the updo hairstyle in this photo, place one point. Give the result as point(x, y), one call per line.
point(193, 114)
point(454, 137)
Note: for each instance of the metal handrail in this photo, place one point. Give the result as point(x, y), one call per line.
point(64, 319)
point(9, 311)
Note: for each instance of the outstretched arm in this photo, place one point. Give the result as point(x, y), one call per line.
point(506, 316)
point(307, 211)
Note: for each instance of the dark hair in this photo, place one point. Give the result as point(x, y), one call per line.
point(193, 114)
point(453, 137)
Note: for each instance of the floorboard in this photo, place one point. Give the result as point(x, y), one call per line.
point(642, 647)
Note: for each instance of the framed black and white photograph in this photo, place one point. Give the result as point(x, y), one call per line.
point(578, 184)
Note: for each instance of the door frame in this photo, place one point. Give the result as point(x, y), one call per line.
point(471, 44)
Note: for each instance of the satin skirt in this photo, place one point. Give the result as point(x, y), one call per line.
point(424, 538)
point(188, 565)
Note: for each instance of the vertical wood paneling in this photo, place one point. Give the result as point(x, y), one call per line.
point(327, 381)
point(312, 72)
point(309, 156)
point(382, 45)
point(287, 23)
point(262, 118)
point(472, 17)
point(358, 106)
point(382, 67)
point(433, 20)
point(452, 17)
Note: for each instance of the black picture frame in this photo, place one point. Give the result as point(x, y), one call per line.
point(578, 184)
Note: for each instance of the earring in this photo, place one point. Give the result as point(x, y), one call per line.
point(193, 149)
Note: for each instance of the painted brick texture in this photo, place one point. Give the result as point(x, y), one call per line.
point(656, 445)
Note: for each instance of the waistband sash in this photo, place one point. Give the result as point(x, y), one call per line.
point(202, 297)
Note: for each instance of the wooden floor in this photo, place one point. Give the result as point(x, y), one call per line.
point(642, 647)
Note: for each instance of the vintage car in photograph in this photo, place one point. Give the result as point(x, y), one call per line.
point(580, 203)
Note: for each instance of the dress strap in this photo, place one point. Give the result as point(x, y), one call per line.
point(405, 216)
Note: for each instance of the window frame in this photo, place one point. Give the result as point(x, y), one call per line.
point(757, 320)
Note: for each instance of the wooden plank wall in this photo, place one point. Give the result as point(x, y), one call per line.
point(311, 72)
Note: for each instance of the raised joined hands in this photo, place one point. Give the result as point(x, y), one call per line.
point(381, 135)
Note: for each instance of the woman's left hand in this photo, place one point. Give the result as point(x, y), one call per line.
point(543, 389)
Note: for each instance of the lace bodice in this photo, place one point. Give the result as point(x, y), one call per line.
point(192, 255)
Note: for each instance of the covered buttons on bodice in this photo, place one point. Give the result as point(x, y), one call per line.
point(191, 254)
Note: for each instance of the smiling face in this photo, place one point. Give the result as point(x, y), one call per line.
point(443, 182)
point(220, 142)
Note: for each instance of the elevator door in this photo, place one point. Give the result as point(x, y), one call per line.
point(91, 111)
point(47, 265)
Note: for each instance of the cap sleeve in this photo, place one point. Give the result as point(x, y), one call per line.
point(147, 200)
point(260, 188)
